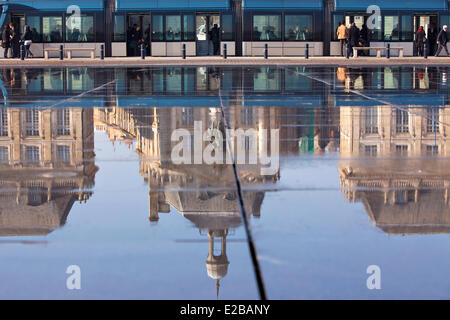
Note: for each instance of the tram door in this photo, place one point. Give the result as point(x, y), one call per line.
point(203, 24)
point(138, 28)
point(18, 20)
point(425, 22)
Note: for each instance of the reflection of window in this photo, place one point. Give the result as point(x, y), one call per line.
point(173, 80)
point(119, 28)
point(371, 120)
point(267, 79)
point(401, 150)
point(370, 151)
point(53, 80)
point(227, 27)
point(3, 122)
point(173, 28)
point(157, 30)
point(35, 196)
point(266, 28)
point(247, 116)
point(4, 154)
point(297, 28)
point(63, 122)
point(63, 153)
point(80, 29)
point(52, 29)
point(187, 116)
point(391, 29)
point(32, 122)
point(32, 154)
point(432, 150)
point(35, 26)
point(432, 125)
point(189, 28)
point(293, 81)
point(401, 121)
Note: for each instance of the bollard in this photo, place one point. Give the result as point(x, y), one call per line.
point(266, 51)
point(142, 51)
point(102, 52)
point(183, 51)
point(307, 51)
point(388, 51)
point(225, 51)
point(61, 52)
point(425, 50)
point(22, 52)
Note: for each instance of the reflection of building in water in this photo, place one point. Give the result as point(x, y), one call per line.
point(203, 194)
point(46, 163)
point(396, 165)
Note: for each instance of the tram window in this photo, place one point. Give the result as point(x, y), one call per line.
point(337, 19)
point(80, 29)
point(445, 20)
point(173, 28)
point(298, 28)
point(391, 29)
point(407, 28)
point(35, 26)
point(119, 28)
point(227, 27)
point(266, 28)
point(377, 34)
point(157, 30)
point(52, 29)
point(189, 28)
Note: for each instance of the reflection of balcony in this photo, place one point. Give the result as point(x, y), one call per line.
point(401, 176)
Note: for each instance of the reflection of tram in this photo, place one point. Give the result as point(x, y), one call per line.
point(245, 25)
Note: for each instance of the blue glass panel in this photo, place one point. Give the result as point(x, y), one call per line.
point(409, 5)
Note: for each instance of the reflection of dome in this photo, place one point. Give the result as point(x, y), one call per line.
point(217, 269)
point(217, 266)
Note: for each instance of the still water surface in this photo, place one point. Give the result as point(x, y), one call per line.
point(87, 178)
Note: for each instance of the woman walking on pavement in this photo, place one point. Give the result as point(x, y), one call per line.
point(27, 39)
point(420, 41)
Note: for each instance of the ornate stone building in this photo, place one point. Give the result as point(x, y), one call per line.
point(46, 164)
point(395, 161)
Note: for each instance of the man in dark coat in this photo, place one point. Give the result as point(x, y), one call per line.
point(15, 40)
point(6, 41)
point(353, 37)
point(442, 41)
point(214, 35)
point(432, 38)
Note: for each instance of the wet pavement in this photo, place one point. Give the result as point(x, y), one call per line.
point(342, 169)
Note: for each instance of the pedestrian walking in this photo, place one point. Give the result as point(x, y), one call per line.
point(27, 40)
point(15, 41)
point(420, 41)
point(214, 36)
point(342, 34)
point(6, 41)
point(442, 41)
point(432, 39)
point(353, 37)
